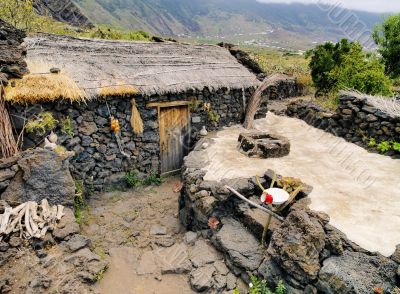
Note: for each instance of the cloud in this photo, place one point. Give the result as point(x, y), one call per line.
point(367, 5)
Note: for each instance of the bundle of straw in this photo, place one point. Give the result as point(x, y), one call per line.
point(136, 119)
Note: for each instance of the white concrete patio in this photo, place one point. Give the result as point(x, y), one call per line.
point(359, 190)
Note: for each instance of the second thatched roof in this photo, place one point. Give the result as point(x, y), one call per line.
point(108, 68)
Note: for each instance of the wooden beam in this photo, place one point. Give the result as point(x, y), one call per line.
point(167, 104)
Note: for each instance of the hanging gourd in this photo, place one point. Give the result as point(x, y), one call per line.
point(115, 127)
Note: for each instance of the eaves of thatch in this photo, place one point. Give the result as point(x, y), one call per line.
point(101, 68)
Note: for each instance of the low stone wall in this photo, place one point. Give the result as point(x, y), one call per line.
point(356, 120)
point(303, 251)
point(98, 160)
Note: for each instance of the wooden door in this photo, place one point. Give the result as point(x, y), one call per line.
point(174, 136)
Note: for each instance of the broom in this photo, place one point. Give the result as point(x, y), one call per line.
point(136, 119)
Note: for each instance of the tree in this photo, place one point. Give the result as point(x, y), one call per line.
point(387, 37)
point(324, 58)
point(346, 65)
point(361, 71)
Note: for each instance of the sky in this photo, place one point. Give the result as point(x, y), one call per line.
point(368, 5)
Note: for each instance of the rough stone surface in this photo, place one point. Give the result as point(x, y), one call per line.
point(396, 255)
point(354, 120)
point(201, 278)
point(77, 242)
point(174, 260)
point(98, 161)
point(42, 174)
point(190, 238)
point(12, 52)
point(297, 245)
point(241, 246)
point(158, 230)
point(356, 272)
point(263, 145)
point(65, 11)
point(203, 253)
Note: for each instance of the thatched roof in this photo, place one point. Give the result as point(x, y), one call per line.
point(102, 66)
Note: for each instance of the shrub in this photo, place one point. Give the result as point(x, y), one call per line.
point(345, 65)
point(132, 179)
point(153, 179)
point(386, 36)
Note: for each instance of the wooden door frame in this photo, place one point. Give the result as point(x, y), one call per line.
point(160, 105)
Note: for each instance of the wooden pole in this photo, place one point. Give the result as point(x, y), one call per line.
point(8, 145)
point(236, 193)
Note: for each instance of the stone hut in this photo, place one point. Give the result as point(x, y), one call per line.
point(162, 94)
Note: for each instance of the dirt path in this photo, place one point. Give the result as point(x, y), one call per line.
point(124, 226)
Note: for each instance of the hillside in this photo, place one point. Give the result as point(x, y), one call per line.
point(242, 21)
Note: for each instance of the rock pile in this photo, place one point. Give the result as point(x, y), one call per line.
point(35, 175)
point(263, 145)
point(69, 267)
point(303, 251)
point(356, 120)
point(12, 53)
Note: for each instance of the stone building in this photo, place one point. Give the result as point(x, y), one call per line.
point(162, 94)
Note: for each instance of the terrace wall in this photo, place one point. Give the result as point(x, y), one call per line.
point(98, 161)
point(356, 120)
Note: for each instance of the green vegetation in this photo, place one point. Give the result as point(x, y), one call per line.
point(258, 286)
point(386, 36)
point(383, 146)
point(345, 65)
point(66, 127)
point(131, 179)
point(285, 62)
point(213, 116)
point(22, 15)
point(79, 201)
point(153, 179)
point(42, 123)
point(109, 33)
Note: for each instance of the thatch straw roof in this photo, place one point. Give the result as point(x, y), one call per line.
point(101, 67)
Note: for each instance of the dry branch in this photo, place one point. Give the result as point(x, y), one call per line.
point(255, 99)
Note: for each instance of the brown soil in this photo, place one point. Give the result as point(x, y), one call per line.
point(119, 225)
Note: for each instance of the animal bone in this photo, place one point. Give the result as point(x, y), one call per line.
point(29, 219)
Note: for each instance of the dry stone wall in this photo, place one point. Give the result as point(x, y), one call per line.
point(98, 160)
point(355, 120)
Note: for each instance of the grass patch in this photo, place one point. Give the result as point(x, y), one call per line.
point(273, 61)
point(330, 102)
point(153, 179)
point(81, 209)
point(132, 180)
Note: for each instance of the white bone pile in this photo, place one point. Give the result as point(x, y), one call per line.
point(29, 219)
